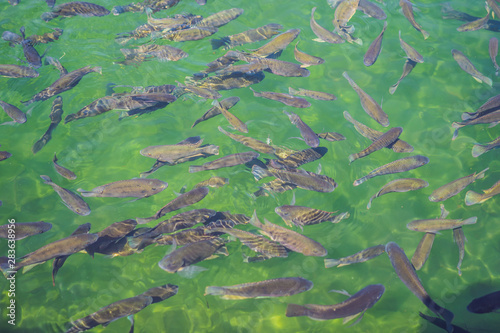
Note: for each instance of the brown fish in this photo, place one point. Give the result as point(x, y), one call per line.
point(226, 103)
point(16, 71)
point(407, 68)
point(493, 50)
point(286, 99)
point(135, 188)
point(21, 230)
point(173, 154)
point(318, 95)
point(277, 44)
point(472, 198)
point(193, 33)
point(331, 136)
point(71, 200)
point(459, 239)
point(221, 18)
point(66, 173)
point(435, 225)
point(269, 288)
point(225, 161)
point(323, 34)
point(486, 118)
point(252, 143)
point(469, 68)
point(423, 250)
point(407, 7)
point(249, 36)
point(361, 256)
point(382, 141)
point(301, 216)
point(55, 118)
point(74, 8)
point(299, 158)
point(411, 53)
point(13, 111)
point(453, 188)
point(306, 59)
point(373, 51)
point(306, 132)
point(371, 107)
point(399, 185)
point(475, 25)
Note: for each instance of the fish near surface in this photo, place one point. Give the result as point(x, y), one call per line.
point(399, 185)
point(277, 44)
point(306, 59)
point(81, 8)
point(55, 118)
point(286, 99)
point(301, 215)
point(30, 53)
point(71, 200)
point(306, 132)
point(401, 165)
point(188, 148)
point(66, 173)
point(407, 275)
point(411, 53)
point(423, 250)
point(373, 51)
point(318, 95)
point(136, 188)
point(323, 34)
point(493, 51)
point(17, 71)
point(475, 25)
point(382, 141)
point(221, 18)
point(407, 7)
point(453, 188)
point(485, 304)
point(469, 68)
point(348, 309)
point(250, 142)
point(299, 158)
point(407, 68)
point(492, 118)
point(249, 36)
point(344, 12)
point(268, 288)
point(371, 107)
point(225, 161)
point(289, 238)
point(472, 198)
point(14, 112)
point(361, 256)
point(435, 225)
point(24, 229)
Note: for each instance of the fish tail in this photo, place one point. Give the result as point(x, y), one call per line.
point(7, 271)
point(70, 117)
point(472, 198)
point(369, 205)
point(47, 179)
point(214, 150)
point(488, 81)
point(254, 220)
point(55, 158)
point(295, 310)
point(340, 217)
point(259, 172)
point(331, 263)
point(425, 33)
point(26, 103)
point(292, 91)
point(216, 43)
point(360, 181)
point(144, 220)
point(478, 150)
point(470, 220)
point(195, 168)
point(353, 157)
point(212, 290)
point(97, 69)
point(481, 174)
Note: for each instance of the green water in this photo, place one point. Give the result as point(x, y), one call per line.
point(102, 150)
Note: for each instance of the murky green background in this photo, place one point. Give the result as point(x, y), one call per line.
point(102, 149)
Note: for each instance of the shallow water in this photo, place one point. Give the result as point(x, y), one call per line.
point(102, 149)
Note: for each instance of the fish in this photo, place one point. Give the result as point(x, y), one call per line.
point(399, 146)
point(435, 225)
point(183, 237)
point(279, 287)
point(493, 51)
point(64, 83)
point(214, 181)
point(453, 188)
point(275, 186)
point(485, 304)
point(16, 71)
point(331, 136)
point(459, 239)
point(399, 185)
point(257, 243)
point(449, 13)
point(306, 59)
point(401, 165)
point(306, 132)
point(61, 247)
point(178, 20)
point(221, 18)
point(30, 53)
point(74, 8)
point(250, 142)
point(407, 68)
point(183, 200)
point(153, 5)
point(492, 118)
point(201, 92)
point(46, 37)
point(21, 230)
point(55, 118)
point(4, 155)
point(361, 256)
point(407, 275)
point(111, 235)
point(300, 216)
point(66, 173)
point(188, 148)
point(323, 34)
point(14, 112)
point(235, 122)
point(491, 4)
point(423, 250)
point(491, 105)
point(472, 198)
point(225, 161)
point(478, 149)
point(348, 309)
point(161, 293)
point(135, 188)
point(11, 37)
point(190, 254)
point(382, 141)
point(289, 238)
point(299, 158)
point(193, 33)
point(407, 7)
point(373, 51)
point(371, 107)
point(71, 200)
point(344, 12)
point(59, 261)
point(249, 36)
point(476, 24)
point(411, 53)
point(318, 95)
point(371, 10)
point(162, 52)
point(184, 220)
point(442, 324)
point(276, 45)
point(286, 99)
point(466, 65)
point(300, 178)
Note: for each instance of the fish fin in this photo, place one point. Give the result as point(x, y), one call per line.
point(470, 220)
point(481, 174)
point(342, 292)
point(472, 198)
point(331, 263)
point(30, 267)
point(292, 91)
point(254, 220)
point(292, 202)
point(318, 170)
point(319, 40)
point(259, 172)
point(493, 124)
point(369, 205)
point(444, 212)
point(478, 150)
point(191, 271)
point(47, 179)
point(213, 290)
point(144, 220)
point(349, 318)
point(223, 250)
point(233, 297)
point(131, 318)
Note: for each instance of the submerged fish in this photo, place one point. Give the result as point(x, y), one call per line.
point(74, 8)
point(30, 53)
point(313, 94)
point(289, 238)
point(459, 239)
point(221, 18)
point(382, 141)
point(21, 230)
point(16, 71)
point(493, 50)
point(323, 34)
point(250, 142)
point(182, 151)
point(399, 185)
point(453, 188)
point(371, 107)
point(423, 250)
point(13, 111)
point(306, 59)
point(299, 158)
point(407, 275)
point(226, 103)
point(472, 198)
point(306, 132)
point(435, 225)
point(301, 216)
point(373, 51)
point(469, 68)
point(478, 149)
point(277, 44)
point(401, 165)
point(348, 309)
point(485, 304)
point(286, 99)
point(361, 256)
point(407, 7)
point(269, 288)
point(475, 25)
point(248, 36)
point(55, 118)
point(483, 118)
point(411, 53)
point(225, 161)
point(71, 200)
point(136, 188)
point(66, 173)
point(407, 68)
